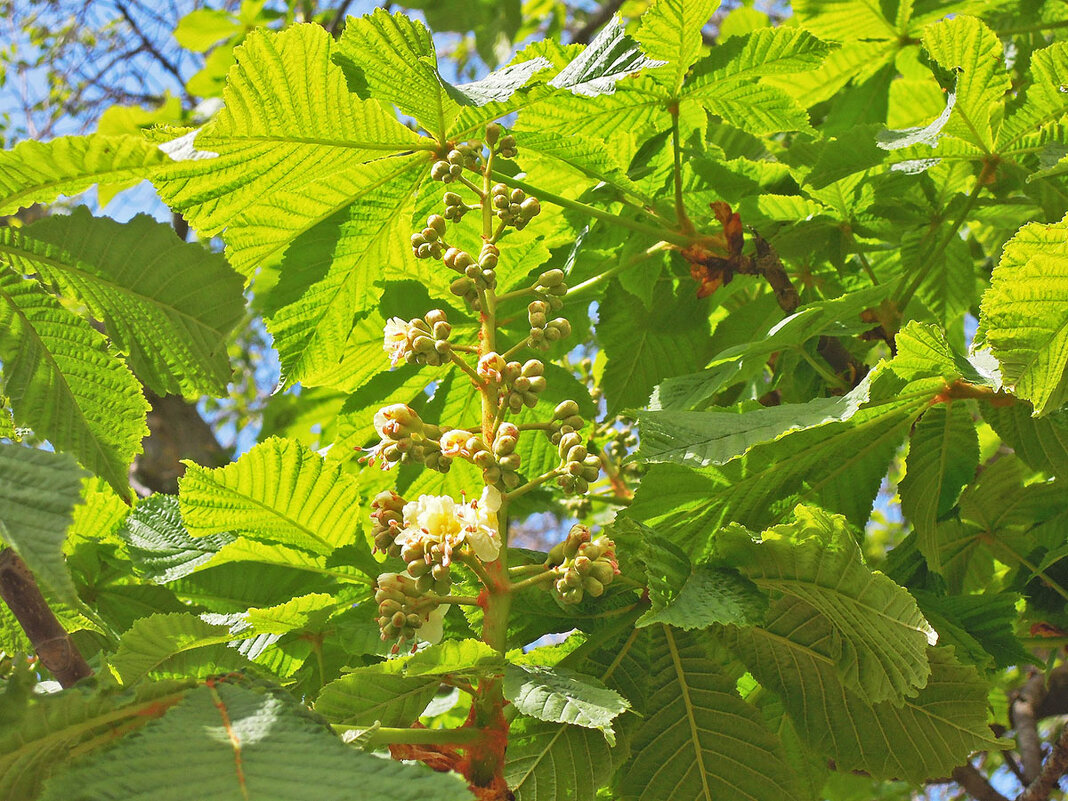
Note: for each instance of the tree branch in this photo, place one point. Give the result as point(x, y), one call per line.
point(50, 640)
point(596, 20)
point(975, 783)
point(1051, 772)
point(1022, 706)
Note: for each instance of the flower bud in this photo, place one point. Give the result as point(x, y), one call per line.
point(535, 367)
point(565, 409)
point(493, 133)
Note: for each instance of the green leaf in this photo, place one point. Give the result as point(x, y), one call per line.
point(277, 492)
point(756, 108)
point(699, 439)
point(392, 57)
point(283, 154)
point(549, 762)
point(39, 172)
point(1024, 315)
point(172, 645)
point(966, 46)
point(498, 86)
point(452, 656)
point(199, 30)
point(41, 729)
point(606, 60)
point(645, 345)
point(708, 596)
point(1045, 102)
point(559, 695)
point(671, 32)
point(160, 547)
point(943, 457)
point(306, 613)
point(926, 135)
point(369, 695)
point(700, 740)
point(879, 638)
point(766, 51)
point(231, 741)
point(927, 735)
point(168, 305)
point(65, 385)
point(38, 493)
point(1041, 442)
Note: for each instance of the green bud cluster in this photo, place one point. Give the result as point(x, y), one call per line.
point(499, 464)
point(475, 275)
point(544, 332)
point(521, 384)
point(584, 565)
point(386, 518)
point(406, 439)
point(506, 147)
point(513, 207)
point(401, 608)
point(455, 208)
point(427, 244)
point(580, 467)
point(428, 564)
point(428, 339)
point(551, 288)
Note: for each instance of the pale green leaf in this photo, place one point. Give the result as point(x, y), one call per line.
point(452, 656)
point(277, 492)
point(38, 494)
point(304, 613)
point(1024, 314)
point(927, 735)
point(283, 154)
point(173, 645)
point(671, 31)
point(199, 30)
point(880, 638)
point(921, 135)
point(38, 172)
point(169, 306)
point(1041, 442)
point(231, 741)
point(767, 51)
point(966, 46)
point(1045, 100)
point(943, 457)
point(559, 695)
point(700, 740)
point(607, 59)
point(756, 108)
point(64, 384)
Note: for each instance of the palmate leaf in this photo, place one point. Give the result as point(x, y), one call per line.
point(766, 51)
point(38, 493)
point(175, 645)
point(40, 730)
point(1044, 101)
point(966, 46)
point(230, 742)
point(943, 457)
point(64, 384)
point(559, 695)
point(38, 172)
point(1024, 315)
point(1041, 442)
point(699, 739)
point(928, 735)
point(286, 145)
point(278, 492)
point(671, 31)
point(168, 305)
point(879, 637)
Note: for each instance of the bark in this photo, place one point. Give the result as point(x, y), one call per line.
point(176, 432)
point(50, 640)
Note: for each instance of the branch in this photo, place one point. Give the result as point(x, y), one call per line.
point(150, 48)
point(1051, 772)
point(50, 640)
point(1022, 705)
point(975, 783)
point(596, 20)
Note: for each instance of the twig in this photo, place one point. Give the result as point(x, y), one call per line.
point(1022, 715)
point(1051, 772)
point(975, 783)
point(50, 640)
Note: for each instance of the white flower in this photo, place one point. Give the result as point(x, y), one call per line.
point(490, 366)
point(431, 630)
point(396, 421)
point(439, 519)
point(452, 443)
point(395, 341)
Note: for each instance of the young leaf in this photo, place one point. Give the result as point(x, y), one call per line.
point(230, 741)
point(606, 60)
point(880, 638)
point(671, 31)
point(1024, 315)
point(558, 695)
point(168, 305)
point(38, 493)
point(38, 172)
point(700, 740)
point(65, 385)
point(279, 492)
